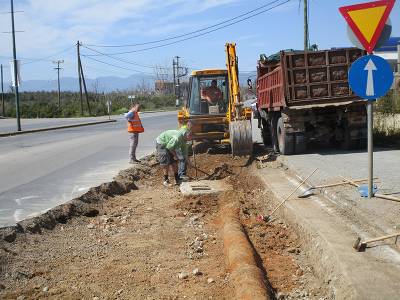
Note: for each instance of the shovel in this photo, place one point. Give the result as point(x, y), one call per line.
point(309, 192)
point(268, 218)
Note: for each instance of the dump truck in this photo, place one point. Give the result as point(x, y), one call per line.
point(304, 97)
point(215, 108)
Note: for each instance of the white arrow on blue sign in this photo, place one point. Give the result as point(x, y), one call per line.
point(370, 77)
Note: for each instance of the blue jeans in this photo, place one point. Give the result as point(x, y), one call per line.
point(181, 163)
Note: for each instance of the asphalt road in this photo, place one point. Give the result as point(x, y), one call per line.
point(41, 170)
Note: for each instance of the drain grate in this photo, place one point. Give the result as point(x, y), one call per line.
point(201, 188)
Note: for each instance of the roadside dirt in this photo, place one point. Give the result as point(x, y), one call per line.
point(154, 244)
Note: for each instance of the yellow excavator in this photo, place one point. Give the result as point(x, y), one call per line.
point(215, 109)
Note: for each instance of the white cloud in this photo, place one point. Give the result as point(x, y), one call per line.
point(51, 25)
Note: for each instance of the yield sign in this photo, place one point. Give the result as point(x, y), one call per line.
point(367, 20)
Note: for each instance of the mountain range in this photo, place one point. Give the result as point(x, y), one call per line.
point(101, 84)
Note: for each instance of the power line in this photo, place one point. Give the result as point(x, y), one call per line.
point(189, 33)
point(201, 34)
point(118, 59)
point(50, 56)
point(115, 66)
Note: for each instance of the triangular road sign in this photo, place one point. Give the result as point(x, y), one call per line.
point(367, 20)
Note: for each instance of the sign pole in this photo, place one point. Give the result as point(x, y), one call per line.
point(370, 112)
point(370, 76)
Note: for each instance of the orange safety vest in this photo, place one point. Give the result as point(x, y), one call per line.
point(135, 125)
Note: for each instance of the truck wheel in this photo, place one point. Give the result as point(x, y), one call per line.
point(266, 134)
point(300, 145)
point(285, 140)
point(273, 129)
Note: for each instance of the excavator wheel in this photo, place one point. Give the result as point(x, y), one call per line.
point(241, 138)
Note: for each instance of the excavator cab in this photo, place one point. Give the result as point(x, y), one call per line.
point(215, 110)
point(207, 105)
point(209, 93)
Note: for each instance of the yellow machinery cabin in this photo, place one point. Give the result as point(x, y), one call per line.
point(214, 107)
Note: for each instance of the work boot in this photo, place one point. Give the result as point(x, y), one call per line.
point(167, 183)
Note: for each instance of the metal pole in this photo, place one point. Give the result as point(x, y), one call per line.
point(15, 68)
point(305, 25)
point(398, 59)
point(177, 77)
point(2, 90)
point(58, 81)
point(79, 75)
point(398, 69)
point(370, 108)
point(174, 70)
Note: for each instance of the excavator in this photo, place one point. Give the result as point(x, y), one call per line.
point(215, 109)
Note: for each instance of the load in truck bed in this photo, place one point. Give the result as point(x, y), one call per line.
point(304, 78)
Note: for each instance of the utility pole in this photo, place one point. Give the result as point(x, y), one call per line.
point(306, 25)
point(86, 93)
point(58, 62)
point(15, 68)
point(2, 90)
point(174, 71)
point(178, 84)
point(78, 44)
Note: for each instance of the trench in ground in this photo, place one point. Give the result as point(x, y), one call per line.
point(142, 241)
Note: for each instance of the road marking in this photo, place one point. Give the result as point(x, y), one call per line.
point(370, 67)
point(20, 200)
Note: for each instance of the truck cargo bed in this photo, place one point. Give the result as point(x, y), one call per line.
point(306, 78)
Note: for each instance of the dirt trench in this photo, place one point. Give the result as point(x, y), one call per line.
point(152, 243)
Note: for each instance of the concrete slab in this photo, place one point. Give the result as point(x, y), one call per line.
point(374, 217)
point(328, 238)
point(204, 187)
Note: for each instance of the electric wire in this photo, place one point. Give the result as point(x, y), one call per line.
point(115, 66)
point(188, 33)
point(50, 56)
point(198, 35)
point(118, 58)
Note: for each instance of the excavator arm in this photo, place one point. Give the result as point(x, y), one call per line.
point(233, 78)
point(239, 118)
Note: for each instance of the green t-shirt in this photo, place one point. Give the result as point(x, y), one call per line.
point(173, 140)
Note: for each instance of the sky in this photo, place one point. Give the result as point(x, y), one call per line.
point(52, 28)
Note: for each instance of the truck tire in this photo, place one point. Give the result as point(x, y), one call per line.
point(300, 145)
point(266, 133)
point(273, 129)
point(285, 140)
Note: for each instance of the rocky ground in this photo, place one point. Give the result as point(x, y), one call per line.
point(152, 243)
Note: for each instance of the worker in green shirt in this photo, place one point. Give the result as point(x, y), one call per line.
point(172, 150)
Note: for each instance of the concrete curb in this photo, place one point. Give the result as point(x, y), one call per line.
point(328, 241)
point(54, 128)
point(240, 260)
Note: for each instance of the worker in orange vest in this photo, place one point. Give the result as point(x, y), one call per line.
point(134, 128)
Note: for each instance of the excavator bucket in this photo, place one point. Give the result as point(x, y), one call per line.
point(241, 138)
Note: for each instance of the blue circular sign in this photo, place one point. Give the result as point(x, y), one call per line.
point(370, 77)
